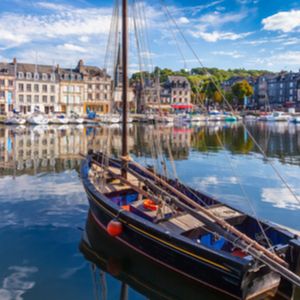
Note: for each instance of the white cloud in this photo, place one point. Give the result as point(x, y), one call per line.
point(281, 198)
point(72, 47)
point(234, 54)
point(218, 35)
point(16, 284)
point(283, 21)
point(183, 20)
point(216, 18)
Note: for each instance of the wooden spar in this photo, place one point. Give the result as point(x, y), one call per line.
point(277, 267)
point(125, 84)
point(127, 182)
point(274, 265)
point(210, 215)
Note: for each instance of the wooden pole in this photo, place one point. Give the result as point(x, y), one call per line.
point(210, 215)
point(125, 85)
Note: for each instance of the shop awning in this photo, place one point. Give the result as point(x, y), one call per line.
point(182, 106)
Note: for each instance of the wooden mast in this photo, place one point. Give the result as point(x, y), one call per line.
point(125, 85)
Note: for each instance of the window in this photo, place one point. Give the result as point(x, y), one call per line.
point(71, 88)
point(28, 87)
point(97, 96)
point(2, 94)
point(45, 88)
point(21, 87)
point(174, 92)
point(28, 75)
point(71, 99)
point(36, 98)
point(36, 76)
point(65, 99)
point(29, 108)
point(77, 89)
point(89, 86)
point(36, 88)
point(28, 98)
point(44, 76)
point(52, 77)
point(52, 99)
point(21, 98)
point(65, 88)
point(105, 96)
point(52, 88)
point(78, 99)
point(2, 82)
point(98, 86)
point(90, 96)
point(20, 75)
point(45, 99)
point(291, 84)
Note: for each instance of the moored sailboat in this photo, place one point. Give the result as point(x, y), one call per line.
point(185, 230)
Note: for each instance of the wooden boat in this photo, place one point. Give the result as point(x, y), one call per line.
point(178, 240)
point(135, 270)
point(185, 230)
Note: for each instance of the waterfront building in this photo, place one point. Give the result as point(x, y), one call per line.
point(34, 87)
point(98, 83)
point(176, 90)
point(117, 87)
point(37, 88)
point(72, 91)
point(7, 87)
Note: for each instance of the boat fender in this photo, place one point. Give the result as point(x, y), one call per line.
point(150, 205)
point(114, 228)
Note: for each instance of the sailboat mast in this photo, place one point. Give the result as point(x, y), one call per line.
point(125, 81)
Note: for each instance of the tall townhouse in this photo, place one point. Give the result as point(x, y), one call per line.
point(179, 89)
point(7, 87)
point(98, 86)
point(72, 91)
point(37, 88)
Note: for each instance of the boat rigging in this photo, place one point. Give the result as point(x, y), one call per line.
point(186, 230)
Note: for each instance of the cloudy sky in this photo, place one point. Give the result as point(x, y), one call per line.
point(256, 34)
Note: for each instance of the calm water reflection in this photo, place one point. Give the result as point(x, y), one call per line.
point(43, 206)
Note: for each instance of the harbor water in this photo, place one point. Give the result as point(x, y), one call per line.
point(44, 209)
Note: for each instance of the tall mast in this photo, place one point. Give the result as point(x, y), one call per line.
point(125, 82)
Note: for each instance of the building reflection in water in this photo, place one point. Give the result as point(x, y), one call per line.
point(55, 148)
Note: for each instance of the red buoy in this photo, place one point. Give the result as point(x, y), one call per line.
point(114, 228)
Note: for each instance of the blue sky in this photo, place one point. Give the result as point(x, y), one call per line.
point(251, 34)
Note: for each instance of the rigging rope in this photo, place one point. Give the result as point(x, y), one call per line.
point(164, 6)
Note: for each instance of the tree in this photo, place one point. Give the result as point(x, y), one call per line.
point(217, 97)
point(242, 89)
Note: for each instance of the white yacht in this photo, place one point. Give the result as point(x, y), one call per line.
point(277, 116)
point(111, 119)
point(214, 116)
point(38, 119)
point(15, 120)
point(75, 119)
point(59, 119)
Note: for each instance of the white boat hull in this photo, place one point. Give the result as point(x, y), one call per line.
point(38, 120)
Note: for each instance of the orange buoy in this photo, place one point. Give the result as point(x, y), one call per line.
point(150, 205)
point(114, 228)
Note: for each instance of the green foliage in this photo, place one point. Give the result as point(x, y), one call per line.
point(203, 81)
point(242, 89)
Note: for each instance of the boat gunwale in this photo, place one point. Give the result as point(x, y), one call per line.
point(116, 211)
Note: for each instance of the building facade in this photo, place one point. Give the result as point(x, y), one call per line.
point(7, 88)
point(31, 87)
point(98, 83)
point(37, 88)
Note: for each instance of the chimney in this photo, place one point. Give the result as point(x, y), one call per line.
point(80, 65)
point(14, 61)
point(57, 68)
